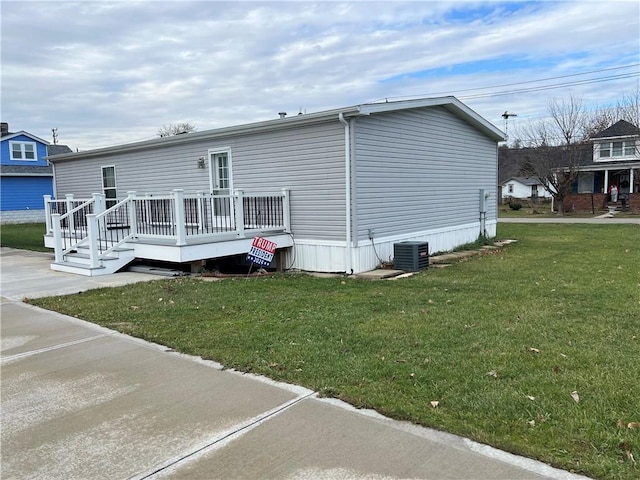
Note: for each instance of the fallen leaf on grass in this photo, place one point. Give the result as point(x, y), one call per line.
point(435, 403)
point(575, 396)
point(532, 423)
point(633, 425)
point(493, 374)
point(531, 397)
point(626, 448)
point(556, 369)
point(134, 307)
point(534, 350)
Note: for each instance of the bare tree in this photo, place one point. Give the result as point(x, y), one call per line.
point(568, 117)
point(628, 107)
point(557, 148)
point(176, 129)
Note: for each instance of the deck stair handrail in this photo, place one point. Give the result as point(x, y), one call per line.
point(75, 231)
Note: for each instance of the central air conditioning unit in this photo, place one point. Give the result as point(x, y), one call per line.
point(411, 256)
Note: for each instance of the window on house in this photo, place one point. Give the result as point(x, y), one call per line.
point(617, 149)
point(23, 151)
point(629, 148)
point(511, 188)
point(109, 185)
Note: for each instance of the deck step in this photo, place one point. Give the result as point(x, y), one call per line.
point(79, 263)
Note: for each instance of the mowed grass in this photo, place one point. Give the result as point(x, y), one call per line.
point(28, 236)
point(501, 342)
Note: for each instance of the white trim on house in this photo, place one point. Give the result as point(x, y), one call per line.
point(25, 134)
point(451, 104)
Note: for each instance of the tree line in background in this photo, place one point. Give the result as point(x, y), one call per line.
point(552, 149)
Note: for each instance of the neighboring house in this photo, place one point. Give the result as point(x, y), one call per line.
point(615, 161)
point(25, 176)
point(335, 190)
point(524, 187)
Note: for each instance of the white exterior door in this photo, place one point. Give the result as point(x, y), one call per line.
point(221, 177)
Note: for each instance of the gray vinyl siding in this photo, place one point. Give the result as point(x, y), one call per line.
point(419, 170)
point(309, 160)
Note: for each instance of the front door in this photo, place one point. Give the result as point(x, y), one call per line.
point(220, 172)
point(221, 182)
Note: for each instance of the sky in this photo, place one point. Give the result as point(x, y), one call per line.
point(110, 72)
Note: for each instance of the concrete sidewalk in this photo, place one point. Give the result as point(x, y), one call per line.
point(83, 402)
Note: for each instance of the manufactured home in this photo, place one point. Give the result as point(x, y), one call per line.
point(335, 190)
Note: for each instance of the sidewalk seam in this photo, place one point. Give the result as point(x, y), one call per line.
point(48, 349)
point(234, 431)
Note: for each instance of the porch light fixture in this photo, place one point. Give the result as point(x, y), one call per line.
point(201, 162)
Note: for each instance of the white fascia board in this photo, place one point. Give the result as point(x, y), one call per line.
point(275, 124)
point(451, 103)
point(26, 134)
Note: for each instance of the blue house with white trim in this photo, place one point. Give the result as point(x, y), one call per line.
point(25, 175)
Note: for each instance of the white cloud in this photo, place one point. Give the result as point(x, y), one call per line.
point(110, 72)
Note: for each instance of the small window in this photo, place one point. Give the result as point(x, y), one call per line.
point(617, 149)
point(23, 151)
point(629, 148)
point(511, 188)
point(605, 150)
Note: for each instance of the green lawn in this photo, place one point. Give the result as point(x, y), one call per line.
point(500, 341)
point(28, 236)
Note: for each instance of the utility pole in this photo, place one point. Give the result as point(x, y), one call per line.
point(506, 116)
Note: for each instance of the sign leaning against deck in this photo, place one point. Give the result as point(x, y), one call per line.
point(346, 184)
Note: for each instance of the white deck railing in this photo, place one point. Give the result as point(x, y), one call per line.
point(174, 217)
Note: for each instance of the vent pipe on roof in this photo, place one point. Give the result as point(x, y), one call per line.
point(282, 114)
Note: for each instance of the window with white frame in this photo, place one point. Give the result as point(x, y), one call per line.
point(23, 151)
point(620, 148)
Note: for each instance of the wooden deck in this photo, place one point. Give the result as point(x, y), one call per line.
point(175, 228)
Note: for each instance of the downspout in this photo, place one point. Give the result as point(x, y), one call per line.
point(347, 179)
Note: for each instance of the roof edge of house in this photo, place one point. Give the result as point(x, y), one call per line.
point(451, 103)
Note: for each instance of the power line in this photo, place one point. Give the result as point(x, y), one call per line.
point(552, 86)
point(533, 89)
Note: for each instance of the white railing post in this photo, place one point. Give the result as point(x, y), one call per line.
point(181, 231)
point(92, 230)
point(133, 214)
point(239, 212)
point(99, 206)
point(57, 237)
point(201, 212)
point(69, 199)
point(286, 210)
point(47, 213)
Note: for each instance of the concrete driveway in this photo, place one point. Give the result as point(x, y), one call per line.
point(83, 402)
